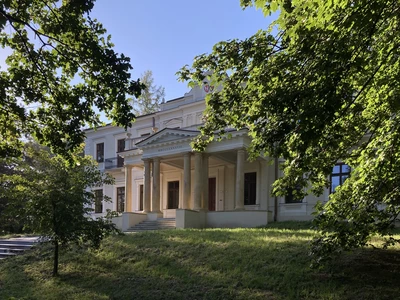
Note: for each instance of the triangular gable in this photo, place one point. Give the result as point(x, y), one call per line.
point(167, 135)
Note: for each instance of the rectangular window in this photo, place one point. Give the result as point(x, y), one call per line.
point(250, 188)
point(293, 196)
point(100, 152)
point(120, 148)
point(340, 173)
point(98, 201)
point(173, 194)
point(120, 199)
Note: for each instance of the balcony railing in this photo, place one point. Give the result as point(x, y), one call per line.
point(113, 163)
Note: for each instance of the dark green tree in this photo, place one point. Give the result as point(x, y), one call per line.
point(152, 96)
point(321, 84)
point(61, 71)
point(52, 197)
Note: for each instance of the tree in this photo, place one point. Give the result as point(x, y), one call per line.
point(61, 71)
point(52, 196)
point(152, 96)
point(320, 85)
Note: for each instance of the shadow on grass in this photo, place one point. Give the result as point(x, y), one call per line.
point(266, 263)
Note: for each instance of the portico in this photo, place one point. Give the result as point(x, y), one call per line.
point(178, 182)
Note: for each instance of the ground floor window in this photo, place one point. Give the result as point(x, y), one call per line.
point(250, 188)
point(340, 173)
point(98, 201)
point(173, 194)
point(293, 196)
point(120, 199)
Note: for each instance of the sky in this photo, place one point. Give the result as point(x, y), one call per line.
point(164, 35)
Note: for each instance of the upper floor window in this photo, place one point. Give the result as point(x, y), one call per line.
point(250, 188)
point(100, 152)
point(340, 173)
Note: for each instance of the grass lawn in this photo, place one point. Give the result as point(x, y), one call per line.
point(263, 263)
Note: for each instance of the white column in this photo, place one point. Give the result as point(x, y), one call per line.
point(146, 187)
point(186, 181)
point(198, 180)
point(128, 188)
point(239, 195)
point(155, 196)
point(204, 205)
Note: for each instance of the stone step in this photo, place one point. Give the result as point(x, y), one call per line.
point(15, 246)
point(11, 250)
point(159, 224)
point(5, 255)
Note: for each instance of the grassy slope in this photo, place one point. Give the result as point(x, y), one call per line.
point(270, 263)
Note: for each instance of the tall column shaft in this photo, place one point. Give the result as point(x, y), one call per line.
point(186, 181)
point(155, 199)
point(146, 187)
point(128, 188)
point(204, 205)
point(198, 180)
point(239, 195)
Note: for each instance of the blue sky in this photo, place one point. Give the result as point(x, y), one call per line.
point(163, 36)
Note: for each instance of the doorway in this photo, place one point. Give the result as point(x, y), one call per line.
point(212, 189)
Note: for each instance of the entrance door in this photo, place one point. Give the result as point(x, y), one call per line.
point(212, 189)
point(141, 197)
point(120, 148)
point(173, 194)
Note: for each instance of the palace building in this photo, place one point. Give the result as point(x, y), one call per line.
point(159, 176)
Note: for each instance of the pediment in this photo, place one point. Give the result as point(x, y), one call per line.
point(168, 136)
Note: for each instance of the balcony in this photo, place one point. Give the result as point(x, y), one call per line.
point(113, 163)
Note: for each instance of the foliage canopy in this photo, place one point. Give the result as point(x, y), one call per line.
point(61, 71)
point(321, 84)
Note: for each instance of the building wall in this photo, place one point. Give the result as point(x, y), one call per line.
point(186, 113)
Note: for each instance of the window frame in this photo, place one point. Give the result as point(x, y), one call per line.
point(118, 199)
point(98, 201)
point(339, 174)
point(100, 152)
point(290, 199)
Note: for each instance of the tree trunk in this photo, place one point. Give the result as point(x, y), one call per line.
point(55, 267)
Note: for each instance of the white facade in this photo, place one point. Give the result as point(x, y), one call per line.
point(161, 176)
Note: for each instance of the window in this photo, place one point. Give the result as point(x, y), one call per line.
point(340, 173)
point(141, 197)
point(98, 201)
point(100, 152)
point(293, 196)
point(250, 188)
point(120, 199)
point(173, 194)
point(120, 148)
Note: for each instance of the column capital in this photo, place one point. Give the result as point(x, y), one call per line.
point(157, 159)
point(241, 150)
point(147, 159)
point(186, 154)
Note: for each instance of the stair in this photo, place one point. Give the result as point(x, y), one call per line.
point(15, 246)
point(159, 224)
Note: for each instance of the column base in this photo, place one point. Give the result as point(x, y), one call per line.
point(239, 208)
